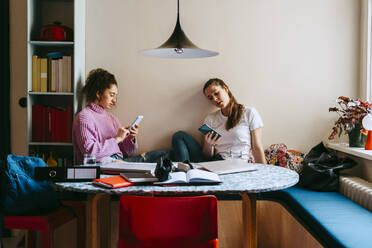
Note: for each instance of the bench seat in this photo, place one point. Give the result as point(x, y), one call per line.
point(334, 220)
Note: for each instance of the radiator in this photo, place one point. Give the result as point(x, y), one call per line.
point(358, 190)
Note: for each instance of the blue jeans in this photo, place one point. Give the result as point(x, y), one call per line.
point(186, 148)
point(147, 157)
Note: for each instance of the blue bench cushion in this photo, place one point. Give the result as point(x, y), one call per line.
point(333, 219)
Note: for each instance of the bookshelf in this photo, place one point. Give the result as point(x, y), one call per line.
point(52, 88)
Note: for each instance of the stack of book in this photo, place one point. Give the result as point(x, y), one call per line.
point(51, 75)
point(51, 124)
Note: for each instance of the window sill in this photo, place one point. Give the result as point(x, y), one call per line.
point(344, 147)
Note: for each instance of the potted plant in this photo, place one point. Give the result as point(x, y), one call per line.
point(351, 113)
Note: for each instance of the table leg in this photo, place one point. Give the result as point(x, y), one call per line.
point(249, 220)
point(93, 237)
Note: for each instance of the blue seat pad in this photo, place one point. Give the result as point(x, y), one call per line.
point(333, 219)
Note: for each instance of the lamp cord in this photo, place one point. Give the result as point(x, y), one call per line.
point(178, 9)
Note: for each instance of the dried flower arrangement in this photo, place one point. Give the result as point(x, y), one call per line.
point(351, 113)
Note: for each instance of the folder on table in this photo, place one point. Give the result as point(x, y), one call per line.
point(112, 182)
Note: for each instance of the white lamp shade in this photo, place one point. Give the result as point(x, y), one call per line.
point(367, 122)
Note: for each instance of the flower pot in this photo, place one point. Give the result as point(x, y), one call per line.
point(356, 138)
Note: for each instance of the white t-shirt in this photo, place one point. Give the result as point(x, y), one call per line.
point(235, 142)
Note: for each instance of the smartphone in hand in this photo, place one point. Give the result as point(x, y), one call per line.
point(136, 121)
point(206, 129)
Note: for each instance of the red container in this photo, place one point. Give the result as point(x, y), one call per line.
point(55, 32)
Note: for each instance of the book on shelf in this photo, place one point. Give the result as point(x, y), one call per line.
point(66, 74)
point(112, 182)
point(192, 176)
point(43, 75)
point(51, 124)
point(59, 76)
point(34, 73)
point(38, 86)
point(36, 122)
point(139, 177)
point(69, 123)
point(51, 74)
point(129, 167)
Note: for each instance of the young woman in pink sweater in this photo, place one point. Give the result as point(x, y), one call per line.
point(97, 132)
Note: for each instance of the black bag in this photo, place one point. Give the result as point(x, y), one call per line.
point(163, 168)
point(321, 169)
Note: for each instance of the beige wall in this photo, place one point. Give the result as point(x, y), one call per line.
point(290, 59)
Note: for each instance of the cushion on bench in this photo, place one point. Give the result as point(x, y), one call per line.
point(331, 218)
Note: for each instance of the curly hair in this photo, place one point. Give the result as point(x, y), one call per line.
point(235, 110)
point(98, 80)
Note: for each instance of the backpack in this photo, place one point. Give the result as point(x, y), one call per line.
point(20, 193)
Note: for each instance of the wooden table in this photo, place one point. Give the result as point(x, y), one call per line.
point(247, 184)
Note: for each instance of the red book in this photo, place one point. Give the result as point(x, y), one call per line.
point(36, 122)
point(47, 123)
point(58, 125)
point(63, 125)
point(52, 124)
point(69, 123)
point(112, 182)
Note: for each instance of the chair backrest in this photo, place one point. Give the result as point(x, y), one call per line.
point(168, 221)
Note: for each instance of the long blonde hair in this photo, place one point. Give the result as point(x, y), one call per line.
point(235, 110)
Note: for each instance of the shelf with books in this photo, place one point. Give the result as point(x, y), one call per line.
point(52, 70)
point(55, 72)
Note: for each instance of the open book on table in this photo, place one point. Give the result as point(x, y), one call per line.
point(193, 176)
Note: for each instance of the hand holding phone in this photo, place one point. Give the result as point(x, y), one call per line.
point(136, 121)
point(204, 129)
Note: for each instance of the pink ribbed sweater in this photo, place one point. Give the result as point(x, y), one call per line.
point(94, 131)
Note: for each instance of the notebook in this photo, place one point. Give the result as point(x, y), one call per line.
point(139, 177)
point(228, 166)
point(129, 167)
point(112, 182)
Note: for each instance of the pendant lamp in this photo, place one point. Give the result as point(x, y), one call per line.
point(178, 46)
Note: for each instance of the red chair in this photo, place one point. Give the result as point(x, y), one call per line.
point(168, 221)
point(49, 222)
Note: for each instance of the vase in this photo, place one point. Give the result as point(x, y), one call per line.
point(357, 138)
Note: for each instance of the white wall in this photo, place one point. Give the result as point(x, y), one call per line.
point(288, 58)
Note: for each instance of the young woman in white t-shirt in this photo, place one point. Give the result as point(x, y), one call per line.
point(240, 128)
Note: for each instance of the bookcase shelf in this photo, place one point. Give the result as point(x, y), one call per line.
point(51, 93)
point(51, 43)
point(49, 144)
point(50, 111)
